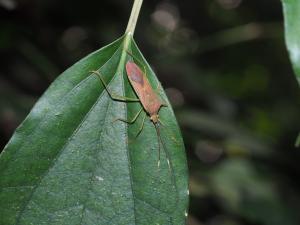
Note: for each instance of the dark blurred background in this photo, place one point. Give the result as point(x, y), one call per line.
point(225, 68)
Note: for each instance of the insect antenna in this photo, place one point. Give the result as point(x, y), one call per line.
point(170, 165)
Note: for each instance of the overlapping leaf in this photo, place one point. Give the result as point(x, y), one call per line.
point(292, 36)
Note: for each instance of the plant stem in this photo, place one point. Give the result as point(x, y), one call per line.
point(134, 16)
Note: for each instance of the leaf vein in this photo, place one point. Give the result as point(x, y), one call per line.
point(53, 163)
point(97, 159)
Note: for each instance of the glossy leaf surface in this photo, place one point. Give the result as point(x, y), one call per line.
point(72, 162)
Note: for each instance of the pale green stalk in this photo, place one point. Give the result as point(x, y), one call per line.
point(134, 16)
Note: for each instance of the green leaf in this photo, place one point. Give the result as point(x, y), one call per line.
point(291, 9)
point(71, 163)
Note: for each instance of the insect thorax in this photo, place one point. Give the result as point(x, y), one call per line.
point(154, 118)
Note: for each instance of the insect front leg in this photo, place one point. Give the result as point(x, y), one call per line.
point(111, 94)
point(158, 87)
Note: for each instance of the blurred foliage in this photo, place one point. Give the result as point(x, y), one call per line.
point(226, 69)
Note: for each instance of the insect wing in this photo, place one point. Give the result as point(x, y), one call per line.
point(143, 89)
point(135, 74)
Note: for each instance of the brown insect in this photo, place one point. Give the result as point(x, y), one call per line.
point(150, 100)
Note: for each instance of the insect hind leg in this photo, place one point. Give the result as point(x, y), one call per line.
point(142, 126)
point(132, 120)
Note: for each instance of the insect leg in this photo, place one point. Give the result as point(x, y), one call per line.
point(158, 141)
point(133, 119)
point(135, 58)
point(142, 126)
point(112, 95)
point(158, 86)
point(161, 123)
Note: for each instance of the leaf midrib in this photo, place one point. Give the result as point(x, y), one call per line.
point(120, 71)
